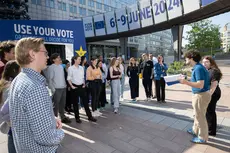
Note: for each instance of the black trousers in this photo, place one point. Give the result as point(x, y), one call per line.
point(68, 104)
point(95, 87)
point(160, 89)
point(75, 94)
point(134, 87)
point(211, 112)
point(147, 83)
point(102, 98)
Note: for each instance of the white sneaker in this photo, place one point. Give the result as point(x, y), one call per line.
point(115, 110)
point(99, 113)
point(94, 114)
point(121, 99)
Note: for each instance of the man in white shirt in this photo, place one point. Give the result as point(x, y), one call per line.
point(77, 83)
point(57, 84)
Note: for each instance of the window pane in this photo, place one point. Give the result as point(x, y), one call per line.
point(39, 2)
point(70, 8)
point(82, 2)
point(48, 3)
point(52, 3)
point(99, 6)
point(75, 9)
point(59, 5)
point(64, 6)
point(34, 1)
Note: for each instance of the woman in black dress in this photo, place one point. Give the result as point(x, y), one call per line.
point(215, 77)
point(132, 73)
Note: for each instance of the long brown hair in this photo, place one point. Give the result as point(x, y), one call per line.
point(113, 60)
point(213, 64)
point(11, 70)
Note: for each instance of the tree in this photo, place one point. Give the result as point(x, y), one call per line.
point(203, 36)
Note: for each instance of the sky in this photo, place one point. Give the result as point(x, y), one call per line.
point(220, 20)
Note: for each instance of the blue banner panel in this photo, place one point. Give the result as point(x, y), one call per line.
point(99, 25)
point(63, 32)
point(206, 2)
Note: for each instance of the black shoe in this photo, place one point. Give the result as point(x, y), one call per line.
point(78, 121)
point(212, 134)
point(106, 102)
point(66, 120)
point(163, 101)
point(92, 119)
point(158, 101)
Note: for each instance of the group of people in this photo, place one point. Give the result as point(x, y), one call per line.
point(206, 92)
point(33, 96)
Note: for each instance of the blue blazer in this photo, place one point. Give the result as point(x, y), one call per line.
point(160, 71)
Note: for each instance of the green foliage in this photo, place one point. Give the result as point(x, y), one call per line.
point(203, 35)
point(178, 67)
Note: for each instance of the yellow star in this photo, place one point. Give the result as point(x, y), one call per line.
point(81, 52)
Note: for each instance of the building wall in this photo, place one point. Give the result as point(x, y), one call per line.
point(226, 38)
point(159, 42)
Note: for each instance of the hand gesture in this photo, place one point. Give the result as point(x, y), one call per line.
point(58, 123)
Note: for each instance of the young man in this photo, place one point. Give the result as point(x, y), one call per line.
point(147, 75)
point(201, 97)
point(77, 83)
point(57, 84)
point(34, 126)
point(6, 54)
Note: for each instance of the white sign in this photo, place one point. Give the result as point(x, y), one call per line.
point(146, 13)
point(110, 22)
point(99, 25)
point(133, 17)
point(190, 6)
point(159, 11)
point(174, 9)
point(88, 26)
point(122, 22)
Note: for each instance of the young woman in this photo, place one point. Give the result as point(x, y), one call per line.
point(122, 69)
point(160, 69)
point(102, 98)
point(94, 76)
point(215, 77)
point(132, 73)
point(78, 91)
point(115, 75)
point(11, 70)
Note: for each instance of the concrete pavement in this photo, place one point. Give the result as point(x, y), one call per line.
point(147, 127)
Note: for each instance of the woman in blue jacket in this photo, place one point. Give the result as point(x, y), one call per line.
point(160, 69)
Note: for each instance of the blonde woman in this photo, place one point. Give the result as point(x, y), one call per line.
point(122, 68)
point(132, 73)
point(115, 74)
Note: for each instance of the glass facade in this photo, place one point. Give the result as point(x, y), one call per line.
point(75, 9)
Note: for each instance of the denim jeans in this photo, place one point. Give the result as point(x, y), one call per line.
point(122, 85)
point(11, 147)
point(115, 84)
